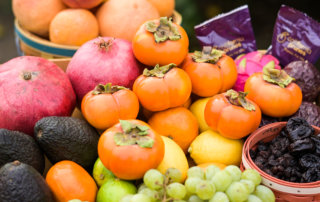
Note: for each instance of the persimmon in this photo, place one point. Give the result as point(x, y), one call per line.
point(68, 180)
point(162, 87)
point(160, 42)
point(165, 7)
point(178, 123)
point(211, 71)
point(130, 148)
point(274, 91)
point(232, 114)
point(104, 106)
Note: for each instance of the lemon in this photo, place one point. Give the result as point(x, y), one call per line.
point(197, 108)
point(174, 157)
point(210, 146)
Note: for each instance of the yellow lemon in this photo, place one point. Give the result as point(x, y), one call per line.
point(197, 108)
point(174, 157)
point(210, 146)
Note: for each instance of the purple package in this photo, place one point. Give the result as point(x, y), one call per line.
point(231, 32)
point(296, 36)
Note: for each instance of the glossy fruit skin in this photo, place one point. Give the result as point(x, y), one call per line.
point(88, 4)
point(104, 110)
point(209, 79)
point(68, 181)
point(197, 108)
point(229, 120)
point(177, 123)
point(131, 161)
point(157, 94)
point(150, 53)
point(273, 100)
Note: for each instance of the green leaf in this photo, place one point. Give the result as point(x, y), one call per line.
point(126, 126)
point(151, 26)
point(123, 140)
point(142, 128)
point(145, 142)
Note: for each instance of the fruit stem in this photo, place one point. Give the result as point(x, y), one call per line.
point(107, 89)
point(276, 76)
point(104, 45)
point(27, 75)
point(165, 31)
point(207, 55)
point(158, 71)
point(238, 99)
point(16, 163)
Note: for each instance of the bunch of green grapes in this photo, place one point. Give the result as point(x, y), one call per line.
point(213, 185)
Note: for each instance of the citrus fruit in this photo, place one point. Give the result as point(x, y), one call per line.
point(210, 146)
point(197, 108)
point(204, 166)
point(174, 157)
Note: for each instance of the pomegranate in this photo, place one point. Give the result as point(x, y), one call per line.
point(33, 88)
point(100, 61)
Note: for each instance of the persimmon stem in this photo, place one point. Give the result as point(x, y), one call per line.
point(238, 99)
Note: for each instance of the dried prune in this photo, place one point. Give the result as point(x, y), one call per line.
point(300, 133)
point(311, 175)
point(309, 161)
point(310, 112)
point(295, 123)
point(301, 146)
point(265, 120)
point(307, 77)
point(252, 153)
point(262, 146)
point(316, 141)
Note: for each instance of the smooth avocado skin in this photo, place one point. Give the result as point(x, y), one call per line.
point(19, 146)
point(20, 182)
point(67, 138)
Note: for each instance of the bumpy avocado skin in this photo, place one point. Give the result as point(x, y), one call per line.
point(20, 182)
point(67, 138)
point(15, 145)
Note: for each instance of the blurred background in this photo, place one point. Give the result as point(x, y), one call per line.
point(263, 16)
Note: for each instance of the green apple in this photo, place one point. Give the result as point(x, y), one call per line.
point(101, 174)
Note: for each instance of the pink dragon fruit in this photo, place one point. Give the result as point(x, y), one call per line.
point(250, 63)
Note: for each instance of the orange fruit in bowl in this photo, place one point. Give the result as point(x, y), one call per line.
point(178, 123)
point(73, 27)
point(165, 7)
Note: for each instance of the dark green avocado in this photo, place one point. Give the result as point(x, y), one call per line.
point(20, 182)
point(15, 145)
point(67, 138)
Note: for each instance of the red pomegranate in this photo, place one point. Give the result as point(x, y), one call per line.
point(100, 61)
point(32, 88)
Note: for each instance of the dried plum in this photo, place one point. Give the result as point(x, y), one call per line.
point(307, 77)
point(309, 161)
point(298, 128)
point(310, 112)
point(316, 141)
point(311, 175)
point(301, 146)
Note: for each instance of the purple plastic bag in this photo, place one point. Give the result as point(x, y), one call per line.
point(296, 36)
point(231, 32)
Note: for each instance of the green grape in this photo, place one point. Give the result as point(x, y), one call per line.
point(153, 179)
point(141, 187)
point(237, 192)
point(126, 198)
point(264, 193)
point(253, 198)
point(234, 172)
point(249, 185)
point(205, 190)
point(174, 175)
point(153, 194)
point(176, 190)
point(179, 200)
point(221, 180)
point(196, 171)
point(140, 198)
point(195, 198)
point(219, 197)
point(211, 171)
point(191, 184)
point(253, 175)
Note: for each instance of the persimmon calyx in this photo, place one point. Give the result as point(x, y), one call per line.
point(104, 45)
point(207, 55)
point(165, 31)
point(276, 76)
point(107, 89)
point(158, 71)
point(239, 99)
point(133, 135)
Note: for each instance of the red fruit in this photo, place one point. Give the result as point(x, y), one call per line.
point(33, 88)
point(102, 60)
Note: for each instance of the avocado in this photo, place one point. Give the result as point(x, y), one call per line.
point(16, 145)
point(67, 138)
point(20, 182)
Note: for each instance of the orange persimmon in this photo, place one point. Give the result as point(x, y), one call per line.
point(162, 87)
point(68, 180)
point(104, 106)
point(130, 148)
point(274, 91)
point(211, 71)
point(160, 42)
point(232, 114)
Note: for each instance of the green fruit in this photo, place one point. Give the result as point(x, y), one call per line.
point(249, 185)
point(205, 190)
point(140, 198)
point(114, 190)
point(153, 179)
point(176, 190)
point(101, 174)
point(253, 175)
point(237, 192)
point(264, 193)
point(195, 171)
point(234, 172)
point(211, 171)
point(191, 184)
point(221, 180)
point(253, 198)
point(219, 197)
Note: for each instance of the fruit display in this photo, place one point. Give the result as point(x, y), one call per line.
point(138, 116)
